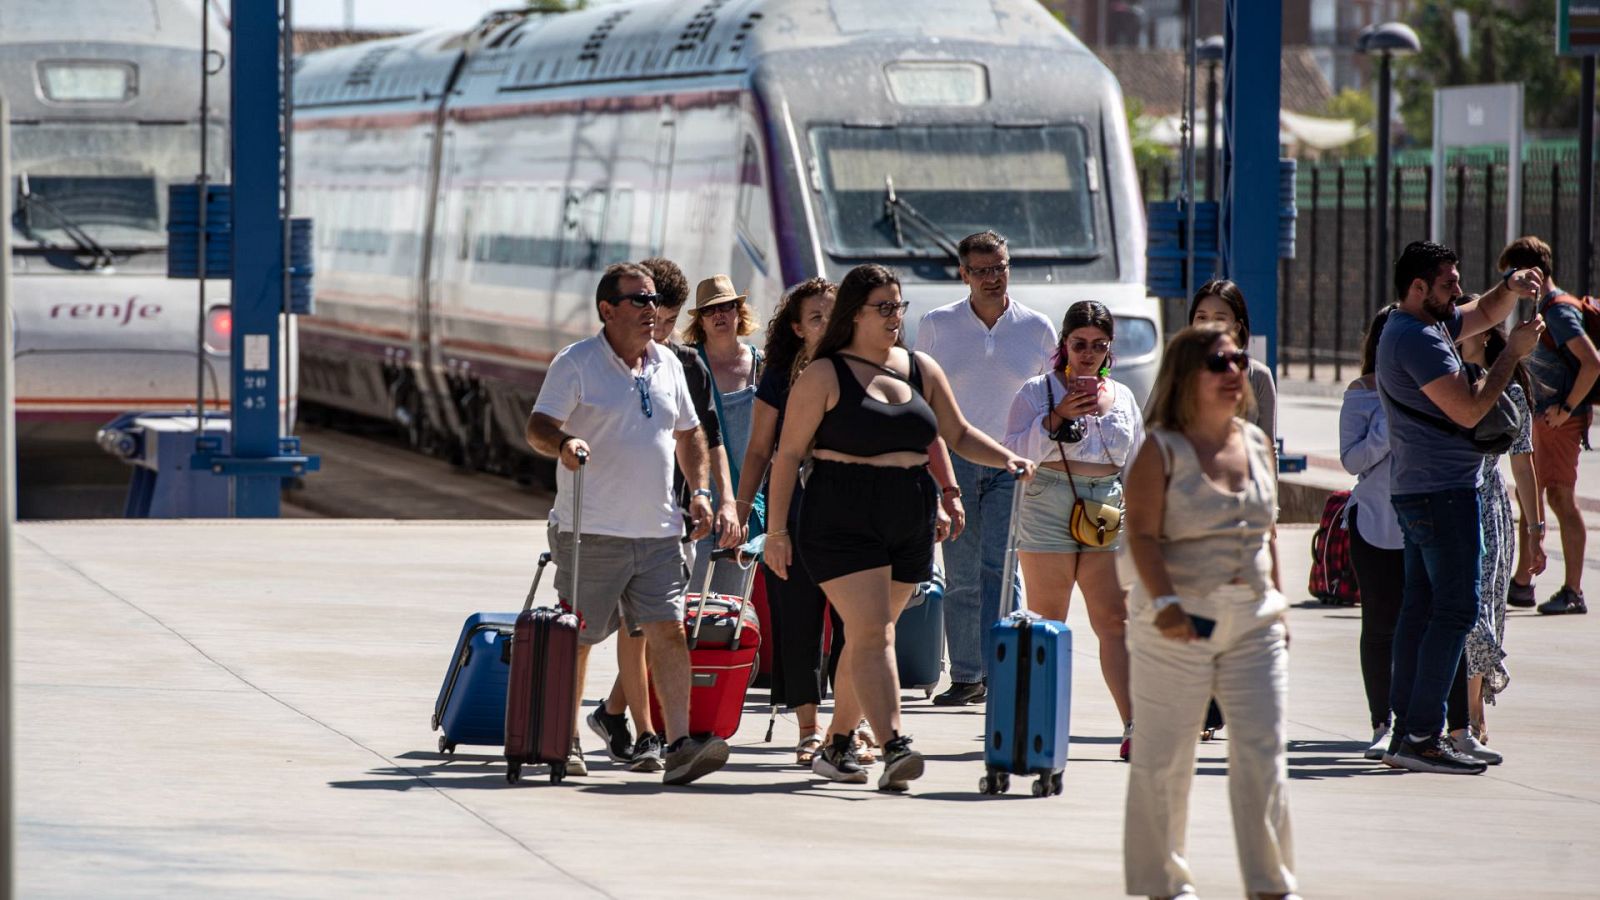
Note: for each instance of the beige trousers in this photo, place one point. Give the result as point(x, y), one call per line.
point(1245, 666)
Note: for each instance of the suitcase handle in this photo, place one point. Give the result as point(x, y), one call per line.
point(1008, 578)
point(577, 538)
point(745, 561)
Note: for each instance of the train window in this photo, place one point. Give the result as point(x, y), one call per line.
point(1025, 183)
point(87, 81)
point(937, 83)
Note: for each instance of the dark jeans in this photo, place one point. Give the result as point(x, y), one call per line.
point(1439, 604)
point(797, 605)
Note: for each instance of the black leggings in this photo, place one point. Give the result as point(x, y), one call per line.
point(796, 605)
point(1381, 576)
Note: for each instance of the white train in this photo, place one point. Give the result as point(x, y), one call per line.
point(103, 118)
point(468, 188)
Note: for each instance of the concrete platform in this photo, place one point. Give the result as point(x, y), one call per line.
point(241, 709)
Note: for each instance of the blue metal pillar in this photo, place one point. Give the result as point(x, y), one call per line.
point(1250, 161)
point(258, 266)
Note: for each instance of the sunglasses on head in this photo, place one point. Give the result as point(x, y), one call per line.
point(1221, 361)
point(639, 299)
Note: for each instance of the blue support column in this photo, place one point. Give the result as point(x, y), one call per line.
point(1250, 161)
point(258, 250)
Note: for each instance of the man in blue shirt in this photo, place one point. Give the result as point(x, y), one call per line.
point(1564, 367)
point(1434, 491)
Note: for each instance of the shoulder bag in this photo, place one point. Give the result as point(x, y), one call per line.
point(1093, 523)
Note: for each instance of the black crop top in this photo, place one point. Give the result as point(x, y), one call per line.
point(861, 425)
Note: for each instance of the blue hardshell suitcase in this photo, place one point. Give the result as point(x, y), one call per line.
point(471, 707)
point(919, 637)
point(1029, 707)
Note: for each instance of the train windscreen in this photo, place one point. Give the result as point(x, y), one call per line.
point(1029, 184)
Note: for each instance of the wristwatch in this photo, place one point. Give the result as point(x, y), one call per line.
point(1565, 408)
point(1165, 601)
point(951, 491)
point(700, 492)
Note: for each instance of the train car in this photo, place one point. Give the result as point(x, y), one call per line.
point(103, 119)
point(469, 188)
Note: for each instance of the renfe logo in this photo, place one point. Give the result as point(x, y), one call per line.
point(121, 312)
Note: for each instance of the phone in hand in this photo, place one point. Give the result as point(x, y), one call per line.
point(1202, 626)
point(1083, 384)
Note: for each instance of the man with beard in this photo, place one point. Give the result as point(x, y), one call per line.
point(1424, 390)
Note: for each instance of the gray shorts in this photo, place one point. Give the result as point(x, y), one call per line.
point(645, 576)
point(1043, 524)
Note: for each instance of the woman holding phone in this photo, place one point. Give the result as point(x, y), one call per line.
point(1207, 616)
point(1080, 425)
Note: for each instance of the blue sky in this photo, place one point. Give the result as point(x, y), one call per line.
point(408, 14)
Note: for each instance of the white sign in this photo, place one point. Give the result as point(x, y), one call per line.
point(257, 352)
point(1473, 116)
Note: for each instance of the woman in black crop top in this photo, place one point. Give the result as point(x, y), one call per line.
point(871, 408)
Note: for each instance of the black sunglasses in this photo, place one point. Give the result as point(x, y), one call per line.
point(640, 300)
point(1221, 361)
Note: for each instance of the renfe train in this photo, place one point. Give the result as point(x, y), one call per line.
point(469, 188)
point(104, 106)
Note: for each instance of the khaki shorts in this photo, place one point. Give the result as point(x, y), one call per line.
point(643, 578)
point(1555, 450)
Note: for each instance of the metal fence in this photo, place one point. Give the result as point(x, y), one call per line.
point(1324, 293)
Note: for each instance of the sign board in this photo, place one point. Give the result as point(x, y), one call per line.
point(1473, 116)
point(1578, 27)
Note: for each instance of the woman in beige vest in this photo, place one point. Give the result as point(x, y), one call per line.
point(1205, 619)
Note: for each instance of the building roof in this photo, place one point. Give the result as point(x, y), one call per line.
point(1156, 78)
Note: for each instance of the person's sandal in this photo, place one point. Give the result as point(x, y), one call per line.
point(807, 749)
point(866, 746)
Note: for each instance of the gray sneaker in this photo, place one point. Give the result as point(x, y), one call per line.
point(575, 763)
point(690, 758)
point(1380, 744)
point(646, 754)
point(1467, 743)
point(838, 761)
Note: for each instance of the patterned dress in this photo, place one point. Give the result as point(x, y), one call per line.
point(1485, 643)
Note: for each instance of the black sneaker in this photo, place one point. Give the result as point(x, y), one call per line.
point(646, 754)
point(612, 728)
point(689, 758)
point(901, 764)
point(962, 693)
point(1565, 602)
point(1437, 756)
point(1521, 596)
point(838, 761)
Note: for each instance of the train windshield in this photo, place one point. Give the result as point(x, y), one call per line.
point(1029, 184)
point(106, 182)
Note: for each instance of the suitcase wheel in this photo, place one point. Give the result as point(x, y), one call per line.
point(995, 782)
point(927, 693)
point(513, 772)
point(1048, 785)
point(1058, 777)
point(558, 771)
point(446, 746)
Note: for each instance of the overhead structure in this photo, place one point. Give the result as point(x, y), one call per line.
point(1250, 168)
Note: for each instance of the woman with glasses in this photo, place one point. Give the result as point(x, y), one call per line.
point(1206, 618)
point(866, 412)
point(1081, 426)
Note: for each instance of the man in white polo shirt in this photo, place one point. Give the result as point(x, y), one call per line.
point(988, 345)
point(621, 398)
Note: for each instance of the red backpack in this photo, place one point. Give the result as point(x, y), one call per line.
point(1589, 307)
point(1333, 579)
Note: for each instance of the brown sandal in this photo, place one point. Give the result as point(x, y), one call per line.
point(807, 749)
point(866, 747)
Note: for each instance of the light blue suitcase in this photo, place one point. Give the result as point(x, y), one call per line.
point(919, 637)
point(1029, 707)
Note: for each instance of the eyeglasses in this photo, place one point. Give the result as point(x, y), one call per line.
point(640, 300)
point(1221, 362)
point(1080, 345)
point(643, 384)
point(988, 271)
point(889, 310)
point(717, 309)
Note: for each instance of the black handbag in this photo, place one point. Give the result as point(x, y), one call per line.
point(1495, 432)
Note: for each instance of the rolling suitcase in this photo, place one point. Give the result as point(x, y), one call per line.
point(471, 707)
point(724, 638)
point(1030, 692)
point(540, 692)
point(919, 637)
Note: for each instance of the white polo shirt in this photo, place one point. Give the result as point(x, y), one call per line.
point(986, 366)
point(627, 487)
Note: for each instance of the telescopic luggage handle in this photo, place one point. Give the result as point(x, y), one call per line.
point(577, 538)
point(747, 562)
point(1008, 578)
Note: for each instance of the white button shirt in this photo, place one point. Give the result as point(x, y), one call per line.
point(986, 366)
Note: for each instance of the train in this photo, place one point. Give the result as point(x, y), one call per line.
point(469, 187)
point(102, 120)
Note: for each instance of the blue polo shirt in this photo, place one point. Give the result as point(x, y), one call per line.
point(1412, 353)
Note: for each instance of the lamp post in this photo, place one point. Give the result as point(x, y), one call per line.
point(1387, 40)
point(1210, 51)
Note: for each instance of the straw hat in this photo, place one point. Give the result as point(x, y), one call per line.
point(714, 290)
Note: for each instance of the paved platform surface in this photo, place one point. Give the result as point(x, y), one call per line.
point(241, 709)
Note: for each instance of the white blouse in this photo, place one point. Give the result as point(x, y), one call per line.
point(1110, 438)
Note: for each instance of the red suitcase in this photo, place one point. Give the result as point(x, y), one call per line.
point(541, 693)
point(724, 636)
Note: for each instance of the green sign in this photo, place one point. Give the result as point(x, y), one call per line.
point(1578, 27)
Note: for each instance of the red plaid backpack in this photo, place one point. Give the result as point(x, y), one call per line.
point(1333, 579)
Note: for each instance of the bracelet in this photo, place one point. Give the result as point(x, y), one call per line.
point(951, 491)
point(742, 503)
point(782, 532)
point(562, 447)
point(701, 492)
point(1165, 601)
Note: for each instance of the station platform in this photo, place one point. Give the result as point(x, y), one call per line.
point(241, 708)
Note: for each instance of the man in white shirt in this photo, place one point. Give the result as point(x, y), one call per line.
point(988, 345)
point(621, 398)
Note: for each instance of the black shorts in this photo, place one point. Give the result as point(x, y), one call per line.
point(856, 517)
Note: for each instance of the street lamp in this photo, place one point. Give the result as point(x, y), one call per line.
point(1210, 51)
point(1387, 40)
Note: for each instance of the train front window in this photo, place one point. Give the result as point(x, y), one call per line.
point(1029, 184)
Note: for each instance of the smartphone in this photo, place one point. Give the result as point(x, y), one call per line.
point(1202, 625)
point(1083, 384)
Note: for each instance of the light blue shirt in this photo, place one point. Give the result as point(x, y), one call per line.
point(1364, 453)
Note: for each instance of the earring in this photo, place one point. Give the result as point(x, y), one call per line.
point(1105, 367)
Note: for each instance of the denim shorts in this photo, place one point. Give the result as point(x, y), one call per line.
point(1044, 524)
